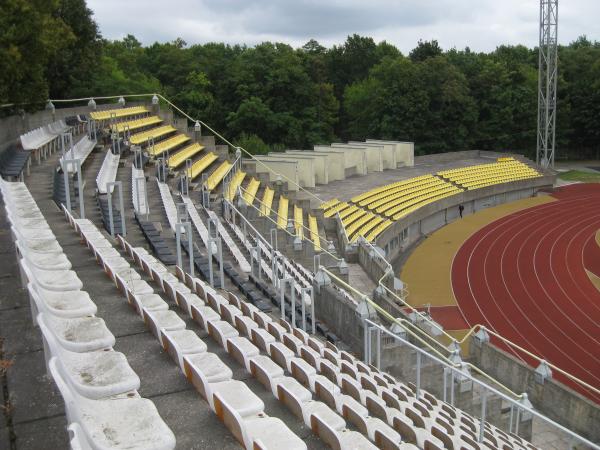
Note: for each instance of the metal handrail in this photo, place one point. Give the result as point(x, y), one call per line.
point(456, 368)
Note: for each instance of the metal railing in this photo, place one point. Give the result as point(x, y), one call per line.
point(518, 408)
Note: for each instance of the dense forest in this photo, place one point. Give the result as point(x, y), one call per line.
point(272, 96)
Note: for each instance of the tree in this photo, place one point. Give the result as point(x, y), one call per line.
point(425, 50)
point(31, 35)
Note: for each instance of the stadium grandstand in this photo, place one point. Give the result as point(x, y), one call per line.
point(173, 291)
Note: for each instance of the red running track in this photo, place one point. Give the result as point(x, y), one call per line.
point(523, 276)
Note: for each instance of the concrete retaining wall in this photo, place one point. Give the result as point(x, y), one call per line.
point(553, 399)
point(405, 151)
point(355, 163)
point(306, 167)
point(275, 167)
point(321, 163)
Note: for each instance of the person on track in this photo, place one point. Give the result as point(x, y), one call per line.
point(461, 208)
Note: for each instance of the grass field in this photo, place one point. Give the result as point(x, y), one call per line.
point(578, 175)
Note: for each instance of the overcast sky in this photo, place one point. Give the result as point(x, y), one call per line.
point(480, 24)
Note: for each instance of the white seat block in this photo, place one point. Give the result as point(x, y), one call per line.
point(131, 423)
point(79, 334)
point(179, 343)
point(221, 331)
point(242, 350)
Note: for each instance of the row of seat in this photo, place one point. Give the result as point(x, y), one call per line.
point(420, 202)
point(77, 344)
point(81, 150)
point(397, 195)
point(168, 204)
point(267, 202)
point(234, 184)
point(201, 165)
point(232, 401)
point(138, 191)
point(167, 145)
point(219, 173)
point(506, 169)
point(14, 161)
point(184, 154)
point(378, 193)
point(314, 232)
point(156, 242)
point(153, 133)
point(249, 193)
point(118, 113)
point(282, 212)
point(398, 207)
point(108, 171)
point(299, 221)
point(43, 140)
point(135, 124)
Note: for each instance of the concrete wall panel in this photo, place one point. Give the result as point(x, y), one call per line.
point(275, 166)
point(306, 168)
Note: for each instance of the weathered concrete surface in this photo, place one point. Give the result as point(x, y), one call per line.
point(553, 399)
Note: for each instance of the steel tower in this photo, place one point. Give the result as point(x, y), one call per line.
point(547, 77)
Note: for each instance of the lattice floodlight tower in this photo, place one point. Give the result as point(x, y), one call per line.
point(547, 78)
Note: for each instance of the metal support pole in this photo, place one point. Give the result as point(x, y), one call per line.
point(220, 253)
point(483, 407)
point(378, 360)
point(283, 283)
point(445, 383)
point(67, 184)
point(178, 227)
point(418, 374)
point(312, 310)
point(366, 343)
point(303, 291)
point(293, 306)
point(452, 387)
point(190, 248)
point(119, 186)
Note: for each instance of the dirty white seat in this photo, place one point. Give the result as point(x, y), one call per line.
point(204, 315)
point(149, 302)
point(204, 369)
point(82, 334)
point(272, 433)
point(53, 280)
point(245, 325)
point(185, 302)
point(238, 396)
point(62, 303)
point(266, 372)
point(221, 331)
point(47, 261)
point(262, 339)
point(179, 343)
point(95, 374)
point(242, 350)
point(162, 320)
point(343, 439)
point(129, 422)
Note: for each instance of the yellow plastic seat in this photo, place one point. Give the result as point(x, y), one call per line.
point(250, 192)
point(182, 155)
point(299, 221)
point(215, 178)
point(235, 183)
point(314, 232)
point(119, 112)
point(136, 124)
point(282, 212)
point(267, 202)
point(168, 144)
point(141, 138)
point(201, 165)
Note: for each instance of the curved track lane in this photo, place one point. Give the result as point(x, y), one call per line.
point(524, 277)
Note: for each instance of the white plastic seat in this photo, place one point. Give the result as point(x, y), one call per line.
point(204, 370)
point(46, 261)
point(241, 349)
point(94, 374)
point(129, 422)
point(179, 343)
point(162, 320)
point(185, 302)
point(281, 354)
point(266, 372)
point(203, 315)
point(229, 312)
point(67, 304)
point(149, 302)
point(238, 396)
point(262, 339)
point(79, 334)
point(53, 280)
point(343, 439)
point(244, 325)
point(267, 433)
point(221, 331)
point(303, 372)
point(41, 246)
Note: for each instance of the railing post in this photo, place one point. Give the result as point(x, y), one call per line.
point(483, 407)
point(293, 305)
point(445, 385)
point(378, 360)
point(178, 227)
point(418, 374)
